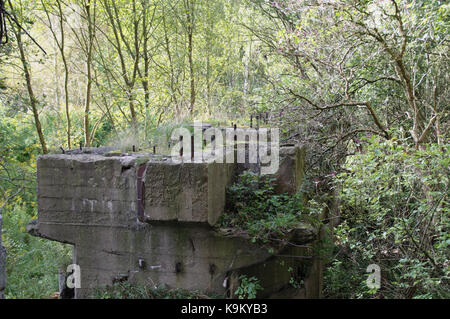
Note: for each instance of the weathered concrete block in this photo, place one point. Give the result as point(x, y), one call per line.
point(94, 189)
point(74, 189)
point(183, 255)
point(291, 172)
point(93, 202)
point(188, 192)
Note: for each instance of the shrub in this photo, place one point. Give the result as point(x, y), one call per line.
point(248, 287)
point(395, 214)
point(254, 207)
point(32, 263)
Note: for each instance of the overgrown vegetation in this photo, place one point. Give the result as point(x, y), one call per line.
point(126, 290)
point(32, 263)
point(394, 202)
point(248, 287)
point(363, 84)
point(254, 208)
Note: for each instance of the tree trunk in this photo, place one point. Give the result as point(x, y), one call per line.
point(90, 44)
point(66, 75)
point(27, 72)
point(167, 47)
point(190, 31)
point(145, 32)
point(60, 43)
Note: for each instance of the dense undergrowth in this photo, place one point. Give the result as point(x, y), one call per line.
point(395, 213)
point(254, 208)
point(32, 263)
point(126, 290)
point(247, 289)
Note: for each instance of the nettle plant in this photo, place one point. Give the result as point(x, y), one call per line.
point(395, 214)
point(253, 207)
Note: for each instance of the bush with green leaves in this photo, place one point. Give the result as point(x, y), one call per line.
point(32, 263)
point(254, 207)
point(248, 287)
point(394, 202)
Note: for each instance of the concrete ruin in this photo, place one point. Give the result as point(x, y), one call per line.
point(149, 220)
point(2, 262)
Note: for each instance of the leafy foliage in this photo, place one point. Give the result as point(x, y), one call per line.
point(248, 287)
point(255, 208)
point(395, 214)
point(32, 263)
point(126, 290)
